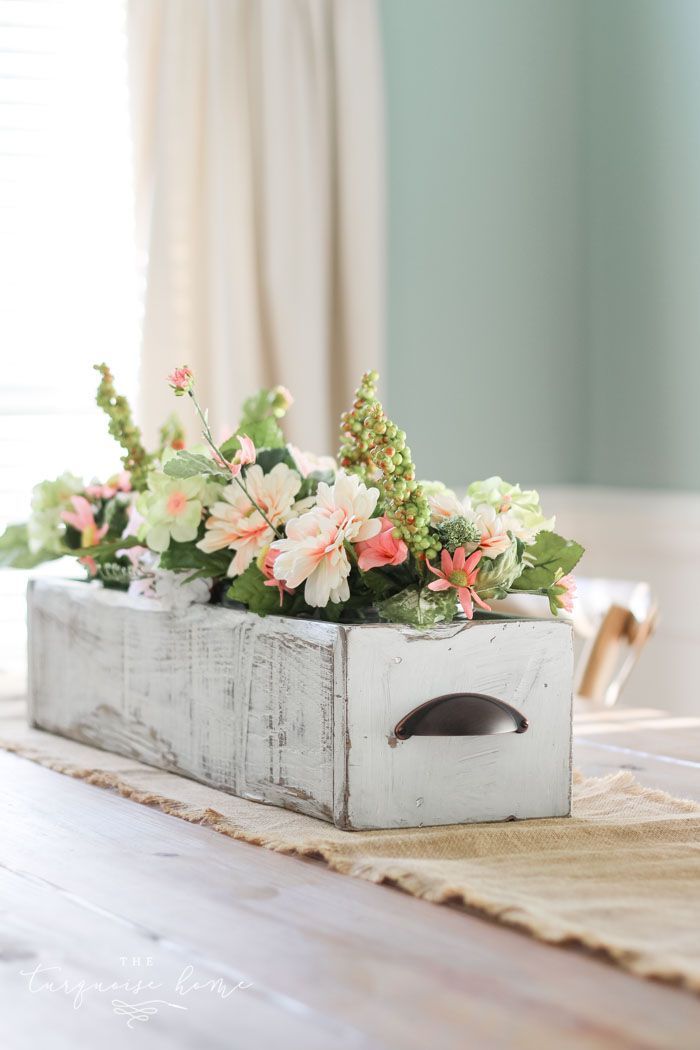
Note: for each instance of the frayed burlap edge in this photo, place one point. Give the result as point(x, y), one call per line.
point(542, 927)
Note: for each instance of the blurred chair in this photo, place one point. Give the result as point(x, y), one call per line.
point(613, 620)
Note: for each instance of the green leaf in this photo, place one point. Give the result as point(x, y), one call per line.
point(249, 589)
point(268, 458)
point(191, 464)
point(548, 556)
point(309, 485)
point(419, 607)
point(378, 584)
point(180, 557)
point(15, 552)
point(105, 550)
point(115, 514)
point(230, 447)
point(264, 433)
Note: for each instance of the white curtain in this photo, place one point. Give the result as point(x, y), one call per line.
point(259, 182)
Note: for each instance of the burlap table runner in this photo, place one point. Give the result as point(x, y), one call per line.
point(621, 877)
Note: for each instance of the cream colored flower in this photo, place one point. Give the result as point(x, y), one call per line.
point(314, 548)
point(351, 505)
point(235, 523)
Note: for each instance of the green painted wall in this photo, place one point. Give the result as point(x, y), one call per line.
point(544, 220)
point(642, 149)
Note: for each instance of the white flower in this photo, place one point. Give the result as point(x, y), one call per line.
point(351, 505)
point(314, 551)
point(444, 504)
point(235, 523)
point(494, 527)
point(521, 509)
point(495, 538)
point(314, 547)
point(49, 500)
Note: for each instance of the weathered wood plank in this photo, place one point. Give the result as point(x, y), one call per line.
point(453, 780)
point(302, 714)
point(241, 703)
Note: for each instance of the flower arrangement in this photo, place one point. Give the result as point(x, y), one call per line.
point(256, 522)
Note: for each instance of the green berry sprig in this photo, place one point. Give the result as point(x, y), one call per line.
point(354, 455)
point(405, 502)
point(374, 447)
point(122, 427)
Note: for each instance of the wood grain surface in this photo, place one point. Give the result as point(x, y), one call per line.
point(88, 879)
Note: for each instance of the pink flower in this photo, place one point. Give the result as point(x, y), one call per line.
point(246, 454)
point(307, 462)
point(181, 380)
point(82, 518)
point(382, 549)
point(266, 565)
point(119, 483)
point(459, 572)
point(565, 592)
point(90, 564)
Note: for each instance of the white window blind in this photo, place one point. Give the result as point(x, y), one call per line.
point(68, 287)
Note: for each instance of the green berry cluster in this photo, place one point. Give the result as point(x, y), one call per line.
point(122, 427)
point(457, 532)
point(374, 447)
point(355, 439)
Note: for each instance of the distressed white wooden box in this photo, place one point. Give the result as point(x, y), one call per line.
point(302, 714)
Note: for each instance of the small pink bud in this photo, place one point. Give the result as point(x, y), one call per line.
point(181, 380)
point(246, 454)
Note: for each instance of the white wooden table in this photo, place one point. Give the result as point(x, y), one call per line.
point(97, 886)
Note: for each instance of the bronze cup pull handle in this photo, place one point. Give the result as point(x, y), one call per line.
point(461, 714)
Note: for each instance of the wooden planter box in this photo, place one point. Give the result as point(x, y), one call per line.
point(304, 715)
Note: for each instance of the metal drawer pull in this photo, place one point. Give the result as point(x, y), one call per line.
point(461, 714)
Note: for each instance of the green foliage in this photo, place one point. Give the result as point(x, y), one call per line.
point(105, 550)
point(268, 458)
point(549, 557)
point(170, 435)
point(15, 552)
point(181, 557)
point(378, 584)
point(419, 607)
point(186, 464)
point(123, 429)
point(309, 484)
point(259, 422)
point(115, 514)
point(496, 575)
point(115, 575)
point(249, 589)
